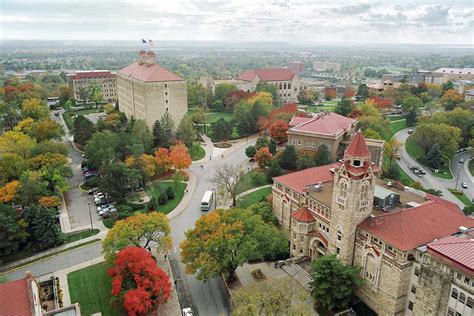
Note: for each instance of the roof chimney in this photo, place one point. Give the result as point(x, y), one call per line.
point(141, 57)
point(150, 58)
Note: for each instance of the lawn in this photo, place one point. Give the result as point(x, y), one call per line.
point(326, 106)
point(197, 152)
point(215, 116)
point(71, 237)
point(70, 121)
point(462, 197)
point(471, 167)
point(252, 179)
point(415, 151)
point(91, 287)
point(396, 117)
point(396, 126)
point(253, 197)
point(155, 190)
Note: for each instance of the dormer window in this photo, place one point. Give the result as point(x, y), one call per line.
point(356, 163)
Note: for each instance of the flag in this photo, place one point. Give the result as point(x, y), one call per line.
point(143, 41)
point(150, 42)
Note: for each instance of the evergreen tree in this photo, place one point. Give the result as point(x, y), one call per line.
point(11, 232)
point(163, 131)
point(288, 158)
point(391, 172)
point(261, 142)
point(411, 118)
point(272, 146)
point(305, 161)
point(322, 156)
point(274, 170)
point(344, 107)
point(186, 132)
point(42, 227)
point(433, 157)
point(221, 130)
point(250, 151)
point(362, 92)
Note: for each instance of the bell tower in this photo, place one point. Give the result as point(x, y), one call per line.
point(352, 197)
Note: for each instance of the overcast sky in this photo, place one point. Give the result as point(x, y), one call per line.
point(415, 21)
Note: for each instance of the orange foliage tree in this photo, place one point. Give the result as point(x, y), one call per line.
point(278, 131)
point(137, 282)
point(382, 102)
point(8, 191)
point(49, 201)
point(330, 93)
point(263, 157)
point(180, 157)
point(348, 93)
point(163, 161)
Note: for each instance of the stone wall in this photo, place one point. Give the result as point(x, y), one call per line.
point(432, 292)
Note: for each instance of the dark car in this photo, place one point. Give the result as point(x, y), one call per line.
point(56, 113)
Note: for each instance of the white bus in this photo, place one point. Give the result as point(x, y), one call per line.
point(206, 202)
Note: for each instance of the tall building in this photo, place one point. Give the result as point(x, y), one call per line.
point(408, 266)
point(326, 66)
point(81, 82)
point(147, 91)
point(450, 74)
point(296, 66)
point(287, 82)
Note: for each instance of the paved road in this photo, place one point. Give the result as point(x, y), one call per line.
point(428, 181)
point(207, 298)
point(462, 170)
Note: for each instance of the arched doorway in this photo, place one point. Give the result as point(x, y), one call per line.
point(317, 248)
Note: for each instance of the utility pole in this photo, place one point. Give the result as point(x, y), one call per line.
point(90, 216)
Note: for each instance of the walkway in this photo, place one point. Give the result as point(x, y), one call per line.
point(253, 190)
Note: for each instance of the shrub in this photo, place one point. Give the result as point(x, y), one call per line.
point(162, 199)
point(258, 178)
point(170, 193)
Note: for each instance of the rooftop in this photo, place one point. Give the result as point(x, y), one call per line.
point(357, 147)
point(410, 228)
point(268, 74)
point(14, 298)
point(303, 215)
point(149, 73)
point(92, 74)
point(323, 123)
point(456, 250)
point(463, 71)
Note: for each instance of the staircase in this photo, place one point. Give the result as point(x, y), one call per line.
point(298, 274)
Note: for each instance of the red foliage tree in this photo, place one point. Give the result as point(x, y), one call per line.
point(355, 113)
point(180, 157)
point(263, 157)
point(138, 282)
point(10, 93)
point(233, 97)
point(382, 102)
point(278, 131)
point(348, 93)
point(330, 93)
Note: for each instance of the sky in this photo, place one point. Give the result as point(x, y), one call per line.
point(302, 21)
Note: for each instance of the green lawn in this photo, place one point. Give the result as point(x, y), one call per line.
point(462, 197)
point(471, 167)
point(197, 152)
point(252, 179)
point(81, 235)
point(155, 190)
point(91, 287)
point(253, 197)
point(326, 106)
point(415, 151)
point(215, 116)
point(396, 117)
point(70, 121)
point(396, 126)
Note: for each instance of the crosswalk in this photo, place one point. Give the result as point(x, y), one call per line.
point(298, 274)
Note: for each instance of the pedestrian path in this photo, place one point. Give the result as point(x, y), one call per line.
point(253, 190)
point(191, 186)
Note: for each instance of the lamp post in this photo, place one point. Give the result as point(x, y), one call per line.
point(90, 215)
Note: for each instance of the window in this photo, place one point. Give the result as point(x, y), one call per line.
point(338, 250)
point(450, 312)
point(339, 235)
point(458, 314)
point(454, 294)
point(467, 280)
point(166, 85)
point(410, 305)
point(462, 298)
point(413, 289)
point(166, 93)
point(166, 109)
point(166, 101)
point(417, 271)
point(470, 302)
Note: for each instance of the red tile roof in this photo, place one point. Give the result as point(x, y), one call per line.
point(149, 73)
point(92, 74)
point(323, 123)
point(413, 227)
point(298, 120)
point(300, 179)
point(268, 74)
point(315, 233)
point(303, 215)
point(14, 298)
point(358, 147)
point(456, 251)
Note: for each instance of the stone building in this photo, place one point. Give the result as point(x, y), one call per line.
point(288, 83)
point(451, 74)
point(147, 91)
point(81, 82)
point(332, 130)
point(329, 210)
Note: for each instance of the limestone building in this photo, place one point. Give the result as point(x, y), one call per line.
point(81, 82)
point(147, 91)
point(330, 210)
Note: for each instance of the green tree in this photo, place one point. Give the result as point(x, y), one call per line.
point(32, 187)
point(83, 93)
point(362, 92)
point(250, 151)
point(141, 134)
point(118, 179)
point(221, 130)
point(264, 209)
point(12, 231)
point(45, 129)
point(321, 157)
point(198, 116)
point(391, 171)
point(270, 88)
point(288, 158)
point(433, 157)
point(186, 132)
point(164, 132)
point(261, 142)
point(305, 161)
point(272, 146)
point(460, 118)
point(370, 133)
point(245, 121)
point(42, 227)
point(411, 118)
point(34, 108)
point(196, 94)
point(101, 148)
point(83, 130)
point(411, 103)
point(221, 91)
point(344, 107)
point(445, 136)
point(95, 94)
point(333, 284)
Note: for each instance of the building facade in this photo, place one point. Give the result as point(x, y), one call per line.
point(326, 66)
point(330, 210)
point(147, 91)
point(451, 74)
point(81, 83)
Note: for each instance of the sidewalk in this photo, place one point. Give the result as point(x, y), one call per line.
point(191, 186)
point(253, 190)
point(171, 307)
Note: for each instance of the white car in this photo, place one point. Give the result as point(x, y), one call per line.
point(103, 207)
point(187, 311)
point(464, 185)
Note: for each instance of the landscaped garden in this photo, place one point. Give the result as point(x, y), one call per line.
point(252, 179)
point(68, 115)
point(197, 152)
point(253, 197)
point(91, 287)
point(158, 190)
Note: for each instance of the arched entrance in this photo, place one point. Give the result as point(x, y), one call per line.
point(317, 248)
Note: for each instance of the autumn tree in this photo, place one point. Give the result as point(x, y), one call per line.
point(263, 157)
point(348, 93)
point(372, 134)
point(9, 191)
point(278, 131)
point(330, 93)
point(137, 282)
point(45, 129)
point(49, 201)
point(180, 157)
point(333, 284)
point(162, 160)
point(269, 88)
point(460, 118)
point(137, 231)
point(450, 99)
point(391, 149)
point(227, 177)
point(185, 132)
point(34, 108)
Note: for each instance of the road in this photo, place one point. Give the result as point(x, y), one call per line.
point(428, 181)
point(461, 171)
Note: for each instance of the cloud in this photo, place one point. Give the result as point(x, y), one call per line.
point(432, 15)
point(352, 9)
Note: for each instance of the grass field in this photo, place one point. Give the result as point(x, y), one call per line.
point(396, 126)
point(71, 237)
point(396, 117)
point(253, 197)
point(415, 151)
point(462, 197)
point(471, 167)
point(215, 116)
point(155, 190)
point(91, 287)
point(197, 152)
point(252, 179)
point(327, 106)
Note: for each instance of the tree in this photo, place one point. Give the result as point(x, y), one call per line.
point(9, 191)
point(270, 297)
point(232, 98)
point(198, 115)
point(250, 151)
point(32, 187)
point(445, 136)
point(101, 148)
point(433, 157)
point(95, 94)
point(348, 93)
point(117, 179)
point(460, 118)
point(186, 132)
point(42, 227)
point(272, 146)
point(270, 88)
point(411, 103)
point(362, 92)
point(263, 157)
point(220, 92)
point(163, 131)
point(16, 143)
point(391, 171)
point(34, 108)
point(226, 239)
point(49, 201)
point(142, 134)
point(330, 93)
point(162, 160)
point(390, 149)
point(83, 130)
point(196, 94)
point(278, 131)
point(137, 282)
point(261, 142)
point(245, 121)
point(305, 160)
point(180, 157)
point(274, 170)
point(321, 157)
point(344, 107)
point(12, 230)
point(227, 177)
point(83, 94)
point(288, 158)
point(45, 129)
point(370, 133)
point(333, 284)
point(148, 165)
point(137, 231)
point(411, 118)
point(221, 130)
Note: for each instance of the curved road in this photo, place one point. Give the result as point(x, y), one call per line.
point(428, 181)
point(462, 170)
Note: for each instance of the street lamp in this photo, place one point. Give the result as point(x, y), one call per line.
point(90, 215)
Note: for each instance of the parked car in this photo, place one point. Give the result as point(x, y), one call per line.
point(464, 185)
point(104, 207)
point(93, 190)
point(410, 131)
point(187, 311)
point(397, 156)
point(56, 113)
point(461, 160)
point(108, 212)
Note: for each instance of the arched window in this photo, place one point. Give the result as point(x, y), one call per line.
point(284, 86)
point(462, 298)
point(365, 191)
point(343, 186)
point(454, 294)
point(470, 302)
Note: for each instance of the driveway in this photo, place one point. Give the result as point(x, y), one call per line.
point(428, 181)
point(461, 171)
